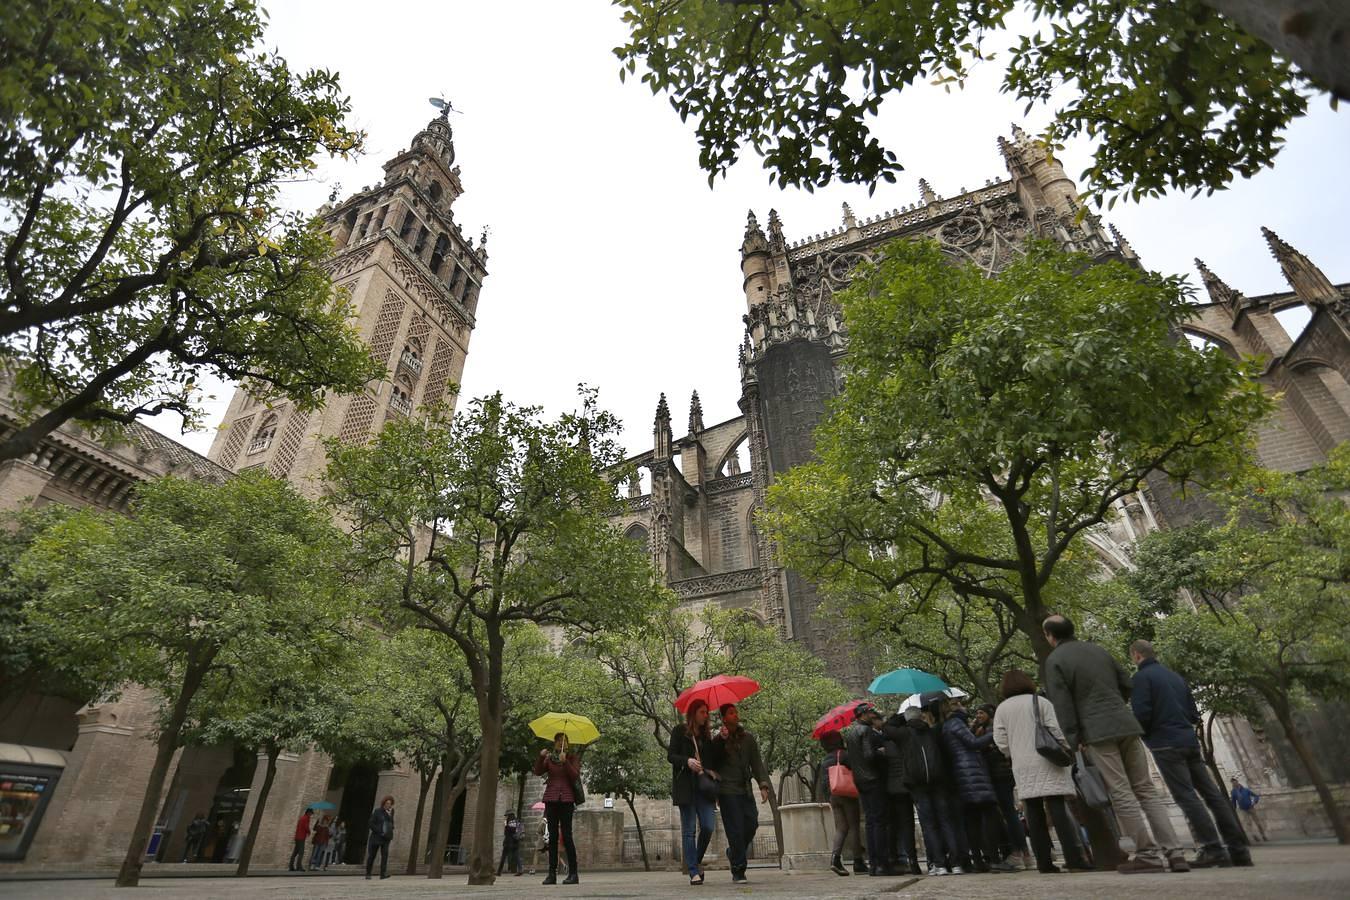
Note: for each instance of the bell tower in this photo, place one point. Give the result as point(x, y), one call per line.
point(413, 280)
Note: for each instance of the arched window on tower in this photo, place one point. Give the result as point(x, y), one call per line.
point(434, 189)
point(438, 254)
point(409, 223)
point(350, 222)
point(262, 438)
point(412, 356)
point(421, 241)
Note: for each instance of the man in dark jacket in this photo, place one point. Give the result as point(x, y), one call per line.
point(736, 759)
point(904, 851)
point(862, 742)
point(381, 833)
point(1090, 692)
point(927, 779)
point(1166, 710)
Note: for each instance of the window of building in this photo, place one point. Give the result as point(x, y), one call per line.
point(262, 438)
point(409, 223)
point(412, 357)
point(438, 254)
point(434, 189)
point(400, 400)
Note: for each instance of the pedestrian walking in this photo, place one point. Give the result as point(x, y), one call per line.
point(1091, 692)
point(381, 834)
point(337, 845)
point(1013, 840)
point(926, 775)
point(974, 787)
point(1042, 785)
point(904, 851)
point(863, 740)
point(734, 756)
point(196, 833)
point(693, 787)
point(561, 768)
point(297, 862)
point(1166, 710)
point(1245, 800)
point(318, 856)
point(510, 846)
point(846, 811)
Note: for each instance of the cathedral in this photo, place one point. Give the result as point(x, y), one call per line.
point(413, 278)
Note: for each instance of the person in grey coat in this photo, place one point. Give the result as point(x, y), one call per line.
point(1091, 695)
point(1041, 785)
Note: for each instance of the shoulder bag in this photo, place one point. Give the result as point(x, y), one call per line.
point(841, 778)
point(1047, 745)
point(1090, 784)
point(704, 782)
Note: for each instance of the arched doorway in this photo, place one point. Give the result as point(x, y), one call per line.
point(227, 808)
point(358, 783)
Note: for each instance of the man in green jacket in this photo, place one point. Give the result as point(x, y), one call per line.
point(736, 759)
point(1091, 693)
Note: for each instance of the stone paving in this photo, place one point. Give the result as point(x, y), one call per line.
point(1284, 871)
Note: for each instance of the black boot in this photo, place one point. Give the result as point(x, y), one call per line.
point(552, 878)
point(837, 865)
point(859, 866)
point(571, 879)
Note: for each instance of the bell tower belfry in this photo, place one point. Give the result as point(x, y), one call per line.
point(413, 279)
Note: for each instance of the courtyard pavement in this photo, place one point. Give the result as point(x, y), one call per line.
point(1282, 871)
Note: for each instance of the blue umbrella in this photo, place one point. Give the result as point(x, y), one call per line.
point(906, 681)
point(322, 804)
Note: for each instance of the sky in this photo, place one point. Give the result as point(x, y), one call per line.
point(611, 261)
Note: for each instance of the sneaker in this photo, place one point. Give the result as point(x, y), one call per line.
point(938, 870)
point(572, 879)
point(739, 878)
point(1138, 866)
point(1002, 866)
point(1241, 858)
point(957, 870)
point(1178, 863)
point(552, 879)
point(1209, 858)
point(860, 866)
point(837, 866)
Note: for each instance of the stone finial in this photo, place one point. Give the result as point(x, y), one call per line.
point(733, 465)
point(1018, 134)
point(634, 485)
point(1219, 291)
point(850, 220)
point(926, 193)
point(776, 240)
point(695, 414)
point(754, 242)
point(661, 436)
point(1123, 245)
point(1312, 287)
point(662, 410)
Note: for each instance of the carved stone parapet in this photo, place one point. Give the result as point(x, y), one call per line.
point(731, 483)
point(722, 583)
point(638, 504)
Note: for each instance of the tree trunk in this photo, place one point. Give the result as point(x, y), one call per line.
point(482, 868)
point(642, 840)
point(130, 874)
point(1305, 754)
point(441, 836)
point(777, 823)
point(521, 781)
point(1206, 734)
point(424, 779)
point(1312, 34)
point(246, 852)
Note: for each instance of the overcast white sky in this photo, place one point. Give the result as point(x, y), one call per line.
point(611, 261)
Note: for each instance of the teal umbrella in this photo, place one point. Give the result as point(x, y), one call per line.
point(906, 681)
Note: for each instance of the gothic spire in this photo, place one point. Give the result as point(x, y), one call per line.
point(1306, 279)
point(661, 436)
point(776, 241)
point(1123, 245)
point(1219, 291)
point(754, 242)
point(926, 193)
point(850, 220)
point(695, 415)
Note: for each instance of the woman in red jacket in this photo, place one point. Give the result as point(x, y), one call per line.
point(562, 769)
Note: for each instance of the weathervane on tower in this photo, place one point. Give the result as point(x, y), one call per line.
point(444, 105)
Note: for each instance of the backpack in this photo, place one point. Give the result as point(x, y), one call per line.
point(923, 757)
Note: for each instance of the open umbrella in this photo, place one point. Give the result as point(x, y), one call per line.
point(914, 701)
point(579, 729)
point(716, 691)
point(836, 719)
point(322, 804)
point(906, 681)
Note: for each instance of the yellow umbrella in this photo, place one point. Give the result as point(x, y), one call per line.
point(579, 729)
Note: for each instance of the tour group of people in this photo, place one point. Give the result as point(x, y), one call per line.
point(965, 773)
point(981, 783)
point(327, 837)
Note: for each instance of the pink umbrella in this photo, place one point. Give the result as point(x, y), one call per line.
point(836, 719)
point(717, 690)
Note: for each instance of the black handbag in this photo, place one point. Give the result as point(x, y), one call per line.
point(1047, 745)
point(704, 783)
point(578, 792)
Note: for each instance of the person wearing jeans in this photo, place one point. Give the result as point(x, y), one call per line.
point(297, 863)
point(1090, 692)
point(734, 756)
point(381, 834)
point(689, 745)
point(1166, 710)
point(863, 741)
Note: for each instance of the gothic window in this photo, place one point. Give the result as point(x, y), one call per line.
point(412, 357)
point(421, 240)
point(262, 438)
point(409, 223)
point(400, 400)
point(350, 222)
point(438, 254)
point(638, 534)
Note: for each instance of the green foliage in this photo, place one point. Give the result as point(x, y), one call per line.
point(986, 423)
point(142, 150)
point(493, 519)
point(1175, 94)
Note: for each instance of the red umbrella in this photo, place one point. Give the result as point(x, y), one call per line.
point(717, 690)
point(836, 719)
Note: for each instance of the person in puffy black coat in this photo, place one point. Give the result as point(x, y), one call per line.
point(926, 777)
point(1005, 786)
point(974, 787)
point(904, 851)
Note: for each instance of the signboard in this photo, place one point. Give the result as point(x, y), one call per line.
point(24, 793)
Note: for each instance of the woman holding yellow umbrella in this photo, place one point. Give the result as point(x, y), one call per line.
point(561, 768)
